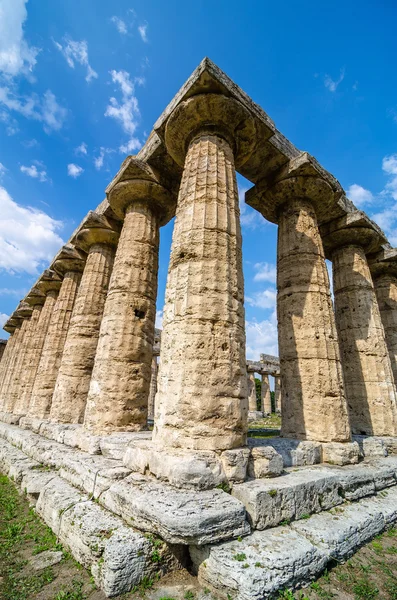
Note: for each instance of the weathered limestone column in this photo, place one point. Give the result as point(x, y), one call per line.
point(201, 403)
point(252, 405)
point(266, 399)
point(386, 294)
point(153, 388)
point(119, 389)
point(49, 284)
point(3, 345)
point(24, 362)
point(24, 311)
point(68, 263)
point(277, 394)
point(98, 237)
point(13, 327)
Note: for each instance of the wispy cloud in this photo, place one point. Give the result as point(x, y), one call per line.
point(265, 272)
point(16, 56)
point(100, 159)
point(45, 109)
point(82, 149)
point(3, 171)
point(264, 299)
point(21, 293)
point(143, 32)
point(261, 337)
point(77, 52)
point(34, 172)
point(3, 319)
point(332, 84)
point(359, 195)
point(126, 111)
point(120, 25)
point(249, 218)
point(74, 170)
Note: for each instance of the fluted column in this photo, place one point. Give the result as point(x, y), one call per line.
point(386, 294)
point(369, 382)
point(3, 345)
point(277, 394)
point(119, 389)
point(312, 396)
point(14, 330)
point(24, 364)
point(252, 404)
point(201, 403)
point(73, 381)
point(54, 342)
point(266, 399)
point(18, 352)
point(153, 388)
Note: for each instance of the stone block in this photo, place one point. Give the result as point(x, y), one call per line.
point(137, 456)
point(31, 423)
point(46, 559)
point(88, 442)
point(337, 453)
point(235, 463)
point(391, 445)
point(178, 516)
point(295, 453)
point(264, 461)
point(9, 418)
point(55, 499)
point(370, 447)
point(115, 445)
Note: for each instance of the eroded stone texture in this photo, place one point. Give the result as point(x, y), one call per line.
point(313, 402)
point(5, 361)
point(386, 294)
point(202, 385)
point(54, 342)
point(24, 363)
point(369, 383)
point(13, 366)
point(119, 388)
point(153, 388)
point(3, 345)
point(277, 393)
point(266, 400)
point(73, 381)
point(36, 348)
point(251, 392)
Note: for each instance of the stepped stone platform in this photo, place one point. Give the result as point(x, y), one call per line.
point(268, 533)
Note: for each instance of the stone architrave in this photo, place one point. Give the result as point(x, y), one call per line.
point(153, 388)
point(49, 285)
point(386, 294)
point(119, 388)
point(277, 394)
point(252, 404)
point(98, 237)
point(69, 264)
point(266, 399)
point(201, 403)
point(13, 328)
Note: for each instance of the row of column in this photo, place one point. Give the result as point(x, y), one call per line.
point(265, 395)
point(81, 349)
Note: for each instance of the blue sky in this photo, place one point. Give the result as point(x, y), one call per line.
point(83, 81)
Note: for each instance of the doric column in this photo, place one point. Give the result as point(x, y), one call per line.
point(49, 284)
point(252, 405)
point(69, 263)
point(24, 311)
point(119, 389)
point(3, 345)
point(266, 399)
point(386, 294)
point(98, 237)
point(13, 327)
point(277, 394)
point(369, 383)
point(201, 401)
point(153, 388)
point(36, 300)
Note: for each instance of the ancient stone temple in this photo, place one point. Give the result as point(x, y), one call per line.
point(147, 432)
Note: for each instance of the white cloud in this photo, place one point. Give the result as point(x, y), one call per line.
point(28, 237)
point(82, 149)
point(99, 160)
point(77, 52)
point(159, 319)
point(3, 319)
point(249, 217)
point(265, 272)
point(3, 170)
point(45, 109)
point(12, 292)
point(30, 143)
point(132, 145)
point(261, 337)
point(120, 24)
point(16, 56)
point(332, 84)
point(74, 170)
point(263, 299)
point(33, 171)
point(359, 195)
point(125, 112)
point(143, 32)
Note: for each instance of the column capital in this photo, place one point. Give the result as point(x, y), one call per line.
point(23, 310)
point(137, 181)
point(96, 229)
point(212, 114)
point(49, 281)
point(383, 262)
point(69, 258)
point(35, 296)
point(353, 229)
point(12, 323)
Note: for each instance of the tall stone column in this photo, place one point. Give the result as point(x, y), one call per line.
point(24, 361)
point(98, 238)
point(13, 327)
point(252, 404)
point(153, 388)
point(68, 263)
point(266, 399)
point(119, 389)
point(201, 403)
point(277, 394)
point(369, 382)
point(24, 311)
point(3, 345)
point(386, 294)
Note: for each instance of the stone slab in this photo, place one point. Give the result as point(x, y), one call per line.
point(9, 418)
point(337, 453)
point(178, 516)
point(46, 559)
point(371, 446)
point(115, 445)
point(295, 453)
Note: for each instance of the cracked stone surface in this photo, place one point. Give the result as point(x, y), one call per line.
point(386, 295)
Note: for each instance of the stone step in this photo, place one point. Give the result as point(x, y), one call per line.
point(308, 490)
point(260, 565)
point(178, 516)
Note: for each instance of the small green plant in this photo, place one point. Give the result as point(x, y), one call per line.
point(240, 556)
point(365, 590)
point(305, 516)
point(259, 565)
point(75, 592)
point(224, 486)
point(272, 493)
point(245, 566)
point(189, 595)
point(155, 556)
point(239, 539)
